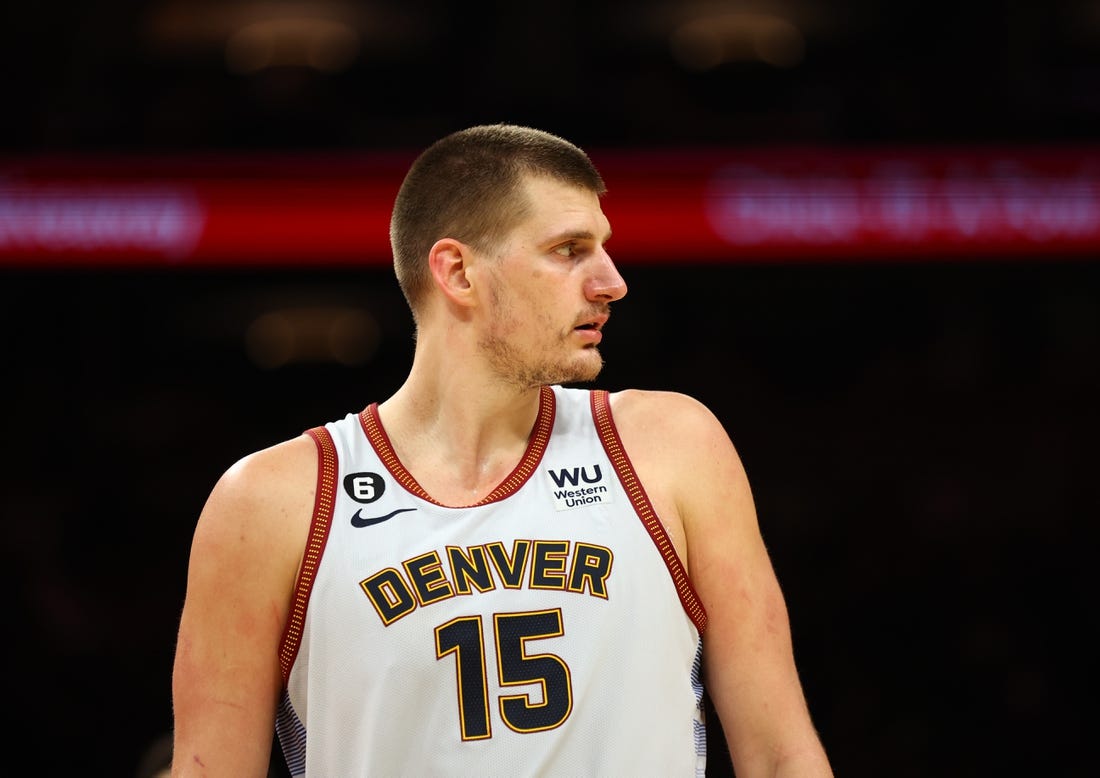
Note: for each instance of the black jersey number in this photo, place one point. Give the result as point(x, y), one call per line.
point(462, 637)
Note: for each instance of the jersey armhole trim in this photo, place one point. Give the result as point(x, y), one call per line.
point(323, 507)
point(613, 445)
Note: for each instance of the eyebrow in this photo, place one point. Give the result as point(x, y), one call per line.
point(577, 235)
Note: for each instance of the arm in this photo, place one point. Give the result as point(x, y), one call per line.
point(748, 659)
point(244, 562)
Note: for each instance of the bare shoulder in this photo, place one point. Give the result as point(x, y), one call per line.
point(261, 505)
point(687, 460)
point(285, 468)
point(245, 555)
point(688, 464)
point(247, 548)
point(651, 407)
point(672, 422)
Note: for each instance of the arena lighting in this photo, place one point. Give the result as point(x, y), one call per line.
point(706, 42)
point(667, 207)
point(312, 334)
point(322, 35)
point(327, 45)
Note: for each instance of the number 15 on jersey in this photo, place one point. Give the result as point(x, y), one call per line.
point(464, 639)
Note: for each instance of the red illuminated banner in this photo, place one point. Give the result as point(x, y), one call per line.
point(664, 207)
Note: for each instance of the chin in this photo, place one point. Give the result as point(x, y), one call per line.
point(585, 370)
point(579, 368)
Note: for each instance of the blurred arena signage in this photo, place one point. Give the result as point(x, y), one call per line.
point(665, 207)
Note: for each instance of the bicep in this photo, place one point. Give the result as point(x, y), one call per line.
point(227, 677)
point(748, 660)
point(690, 464)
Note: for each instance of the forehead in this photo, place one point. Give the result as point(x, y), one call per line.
point(557, 207)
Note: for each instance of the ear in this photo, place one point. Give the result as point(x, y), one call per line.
point(449, 260)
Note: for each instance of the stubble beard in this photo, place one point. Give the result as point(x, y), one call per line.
point(524, 372)
point(546, 364)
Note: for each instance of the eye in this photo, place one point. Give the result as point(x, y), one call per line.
point(567, 250)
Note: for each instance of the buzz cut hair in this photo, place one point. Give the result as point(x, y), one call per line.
point(469, 186)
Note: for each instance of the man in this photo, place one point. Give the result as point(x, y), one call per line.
point(488, 573)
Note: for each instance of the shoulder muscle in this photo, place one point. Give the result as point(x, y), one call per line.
point(244, 562)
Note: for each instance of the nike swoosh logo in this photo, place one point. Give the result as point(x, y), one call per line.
point(358, 521)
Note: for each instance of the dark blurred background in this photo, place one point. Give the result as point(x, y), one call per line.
point(920, 428)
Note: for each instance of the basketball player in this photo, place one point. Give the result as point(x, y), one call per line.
point(489, 573)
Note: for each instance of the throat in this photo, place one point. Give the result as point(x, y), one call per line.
point(457, 487)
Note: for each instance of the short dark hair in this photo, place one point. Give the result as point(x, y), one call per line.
point(468, 186)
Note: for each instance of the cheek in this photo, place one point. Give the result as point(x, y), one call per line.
point(523, 301)
point(529, 322)
point(524, 307)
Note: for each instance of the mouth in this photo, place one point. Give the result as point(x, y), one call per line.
point(594, 324)
point(589, 330)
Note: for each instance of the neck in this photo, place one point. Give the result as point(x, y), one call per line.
point(458, 430)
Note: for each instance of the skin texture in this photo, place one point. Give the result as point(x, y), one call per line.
point(498, 325)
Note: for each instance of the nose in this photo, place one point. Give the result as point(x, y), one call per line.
point(605, 284)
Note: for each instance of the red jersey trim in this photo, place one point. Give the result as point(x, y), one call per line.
point(371, 423)
point(323, 506)
point(613, 445)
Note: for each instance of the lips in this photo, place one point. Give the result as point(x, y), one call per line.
point(589, 329)
point(594, 323)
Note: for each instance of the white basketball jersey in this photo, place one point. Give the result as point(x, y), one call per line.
point(549, 629)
